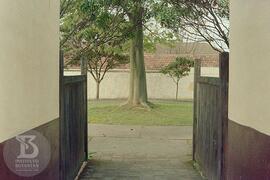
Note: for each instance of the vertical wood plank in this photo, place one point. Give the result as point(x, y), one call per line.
point(85, 98)
point(224, 77)
point(197, 74)
point(211, 121)
point(61, 112)
point(84, 70)
point(73, 125)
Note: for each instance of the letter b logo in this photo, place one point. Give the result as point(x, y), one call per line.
point(28, 150)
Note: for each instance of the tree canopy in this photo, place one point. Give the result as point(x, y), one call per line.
point(90, 24)
point(197, 20)
point(178, 69)
point(89, 27)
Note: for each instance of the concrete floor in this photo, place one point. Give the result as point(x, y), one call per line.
point(140, 153)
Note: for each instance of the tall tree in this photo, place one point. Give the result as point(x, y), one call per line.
point(134, 14)
point(138, 88)
point(107, 21)
point(138, 13)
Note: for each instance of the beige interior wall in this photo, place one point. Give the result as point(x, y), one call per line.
point(249, 99)
point(28, 65)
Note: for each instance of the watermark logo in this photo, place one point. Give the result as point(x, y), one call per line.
point(27, 141)
point(27, 154)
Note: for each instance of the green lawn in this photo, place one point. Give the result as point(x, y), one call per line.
point(164, 113)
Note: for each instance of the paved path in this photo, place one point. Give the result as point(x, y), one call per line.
point(140, 153)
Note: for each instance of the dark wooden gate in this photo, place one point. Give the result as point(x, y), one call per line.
point(73, 107)
point(211, 120)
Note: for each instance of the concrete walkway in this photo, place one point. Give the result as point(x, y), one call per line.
point(140, 153)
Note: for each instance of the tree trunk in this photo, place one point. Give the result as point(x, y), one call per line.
point(177, 86)
point(138, 88)
point(98, 87)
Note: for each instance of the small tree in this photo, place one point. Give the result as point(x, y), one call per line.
point(95, 31)
point(177, 70)
point(100, 61)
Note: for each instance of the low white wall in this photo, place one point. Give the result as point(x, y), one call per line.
point(116, 84)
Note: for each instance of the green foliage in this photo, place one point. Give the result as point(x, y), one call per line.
point(178, 68)
point(90, 24)
point(108, 21)
point(99, 30)
point(206, 20)
point(95, 31)
point(102, 59)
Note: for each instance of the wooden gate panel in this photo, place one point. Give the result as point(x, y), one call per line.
point(210, 118)
point(73, 124)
